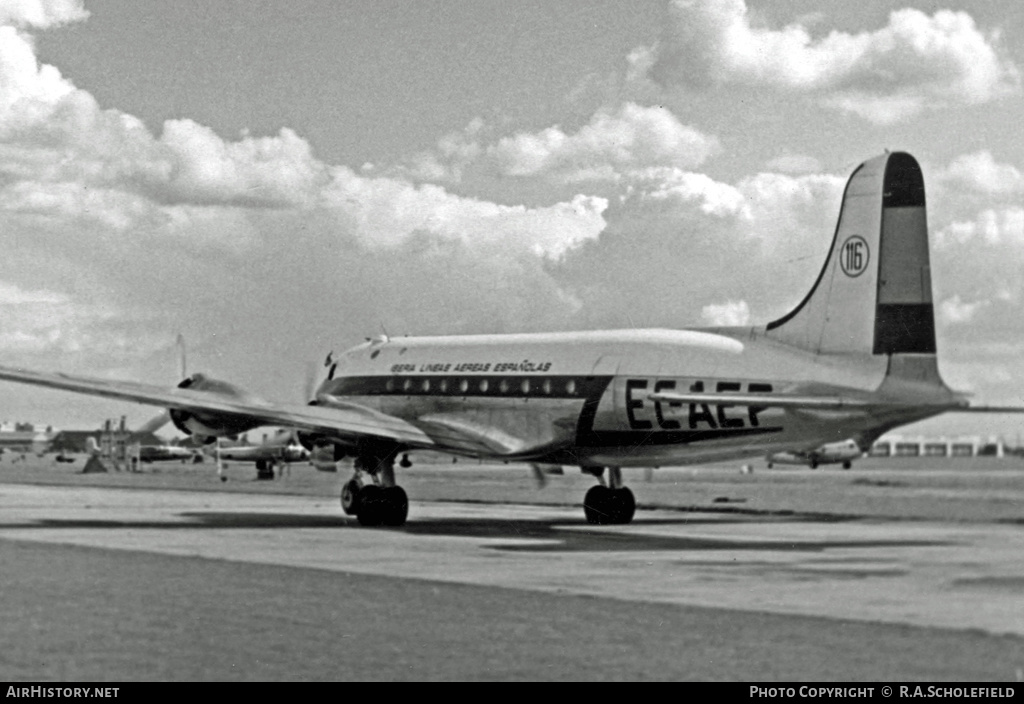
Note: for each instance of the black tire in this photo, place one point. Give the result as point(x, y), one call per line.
point(596, 505)
point(264, 470)
point(350, 497)
point(814, 464)
point(847, 464)
point(372, 506)
point(396, 506)
point(621, 506)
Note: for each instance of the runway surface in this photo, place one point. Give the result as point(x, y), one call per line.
point(677, 595)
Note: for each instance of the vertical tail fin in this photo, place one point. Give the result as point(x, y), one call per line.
point(874, 294)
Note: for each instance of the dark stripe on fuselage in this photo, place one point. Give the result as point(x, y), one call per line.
point(638, 438)
point(476, 386)
point(588, 389)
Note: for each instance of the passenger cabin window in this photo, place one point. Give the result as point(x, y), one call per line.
point(464, 385)
point(547, 386)
point(570, 387)
point(503, 386)
point(525, 386)
point(483, 385)
point(426, 385)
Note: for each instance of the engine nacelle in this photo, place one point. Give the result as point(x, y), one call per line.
point(318, 443)
point(210, 426)
point(323, 446)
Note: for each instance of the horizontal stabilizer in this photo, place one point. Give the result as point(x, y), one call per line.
point(989, 409)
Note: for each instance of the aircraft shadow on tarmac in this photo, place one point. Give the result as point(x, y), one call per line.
point(550, 535)
point(560, 536)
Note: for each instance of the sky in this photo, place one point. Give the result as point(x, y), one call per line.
point(274, 181)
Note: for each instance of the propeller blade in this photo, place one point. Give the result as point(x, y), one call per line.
point(182, 362)
point(538, 475)
point(541, 472)
point(155, 423)
point(310, 388)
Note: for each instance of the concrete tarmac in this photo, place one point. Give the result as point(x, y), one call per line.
point(963, 577)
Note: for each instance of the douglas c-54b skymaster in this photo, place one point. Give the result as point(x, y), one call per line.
point(854, 359)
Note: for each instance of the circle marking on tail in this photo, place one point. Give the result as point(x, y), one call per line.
point(854, 256)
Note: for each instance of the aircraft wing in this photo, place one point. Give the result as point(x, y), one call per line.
point(351, 422)
point(764, 400)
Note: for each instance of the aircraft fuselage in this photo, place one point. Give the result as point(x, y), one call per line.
point(583, 398)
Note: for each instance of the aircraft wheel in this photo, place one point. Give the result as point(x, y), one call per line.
point(847, 464)
point(372, 506)
point(814, 464)
point(596, 505)
point(770, 465)
point(264, 470)
point(350, 497)
point(396, 506)
point(621, 506)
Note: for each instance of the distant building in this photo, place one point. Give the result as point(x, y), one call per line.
point(959, 446)
point(24, 441)
point(78, 440)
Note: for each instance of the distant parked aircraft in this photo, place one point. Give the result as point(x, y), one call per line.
point(829, 453)
point(282, 449)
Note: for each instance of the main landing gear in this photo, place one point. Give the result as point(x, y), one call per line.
point(372, 495)
point(611, 503)
point(264, 469)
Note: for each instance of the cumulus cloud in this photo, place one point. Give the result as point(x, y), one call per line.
point(979, 173)
point(386, 211)
point(977, 277)
point(954, 310)
point(677, 243)
point(710, 196)
point(41, 321)
point(117, 237)
point(28, 91)
point(631, 137)
point(990, 227)
point(916, 61)
point(41, 14)
point(728, 314)
point(794, 164)
point(613, 142)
